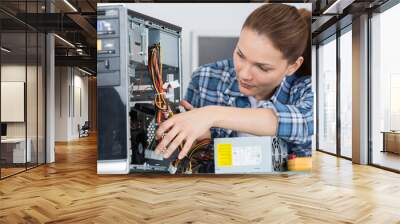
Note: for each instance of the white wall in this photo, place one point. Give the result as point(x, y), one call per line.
point(33, 126)
point(13, 101)
point(199, 17)
point(69, 82)
point(80, 83)
point(13, 72)
point(16, 73)
point(62, 81)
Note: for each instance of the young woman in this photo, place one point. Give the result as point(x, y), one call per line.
point(258, 92)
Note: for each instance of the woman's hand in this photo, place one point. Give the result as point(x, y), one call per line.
point(184, 128)
point(185, 104)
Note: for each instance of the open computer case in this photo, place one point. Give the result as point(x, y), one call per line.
point(139, 85)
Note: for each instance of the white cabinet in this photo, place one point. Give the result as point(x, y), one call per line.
point(19, 155)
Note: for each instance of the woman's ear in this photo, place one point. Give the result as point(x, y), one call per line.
point(296, 65)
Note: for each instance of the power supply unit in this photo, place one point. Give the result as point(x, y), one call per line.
point(250, 155)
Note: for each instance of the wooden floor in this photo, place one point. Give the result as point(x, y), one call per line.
point(5, 172)
point(70, 191)
point(386, 159)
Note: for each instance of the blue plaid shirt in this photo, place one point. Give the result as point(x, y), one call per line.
point(216, 84)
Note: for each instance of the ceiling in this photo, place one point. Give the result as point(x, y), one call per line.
point(75, 21)
point(72, 20)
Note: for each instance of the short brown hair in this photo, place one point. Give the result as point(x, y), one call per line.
point(287, 27)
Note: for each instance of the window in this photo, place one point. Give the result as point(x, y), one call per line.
point(346, 92)
point(327, 96)
point(22, 60)
point(385, 89)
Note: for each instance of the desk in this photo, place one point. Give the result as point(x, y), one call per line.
point(16, 147)
point(391, 141)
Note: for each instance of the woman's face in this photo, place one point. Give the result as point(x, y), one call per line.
point(260, 67)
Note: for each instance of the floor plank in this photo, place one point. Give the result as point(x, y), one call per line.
point(386, 159)
point(70, 191)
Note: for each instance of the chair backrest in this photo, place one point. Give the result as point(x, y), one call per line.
point(86, 125)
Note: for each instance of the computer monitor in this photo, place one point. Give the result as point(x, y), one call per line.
point(3, 129)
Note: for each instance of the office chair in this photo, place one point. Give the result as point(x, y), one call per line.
point(84, 130)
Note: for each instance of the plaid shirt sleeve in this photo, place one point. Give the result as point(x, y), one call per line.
point(295, 121)
point(193, 93)
point(193, 97)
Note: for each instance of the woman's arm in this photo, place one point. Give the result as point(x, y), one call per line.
point(191, 125)
point(260, 121)
point(291, 122)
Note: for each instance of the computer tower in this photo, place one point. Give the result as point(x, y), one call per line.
point(126, 114)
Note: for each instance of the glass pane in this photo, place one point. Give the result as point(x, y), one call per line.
point(346, 94)
point(41, 98)
point(385, 86)
point(32, 86)
point(327, 96)
point(13, 87)
point(22, 63)
point(31, 98)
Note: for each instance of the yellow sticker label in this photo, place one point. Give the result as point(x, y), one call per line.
point(224, 154)
point(99, 45)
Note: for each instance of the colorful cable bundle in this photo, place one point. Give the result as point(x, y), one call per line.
point(163, 110)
